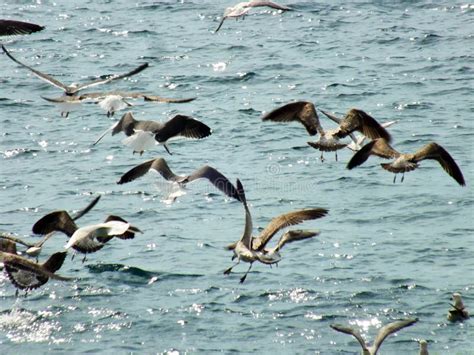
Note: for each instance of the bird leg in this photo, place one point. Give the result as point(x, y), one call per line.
point(322, 157)
point(242, 279)
point(394, 178)
point(403, 177)
point(73, 255)
point(166, 147)
point(336, 155)
point(16, 293)
point(227, 271)
point(85, 257)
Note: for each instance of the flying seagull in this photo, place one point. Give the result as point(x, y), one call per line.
point(109, 101)
point(242, 8)
point(86, 239)
point(13, 28)
point(250, 249)
point(459, 311)
point(142, 135)
point(383, 333)
point(205, 172)
point(27, 275)
point(407, 162)
point(356, 144)
point(34, 249)
point(73, 89)
point(305, 113)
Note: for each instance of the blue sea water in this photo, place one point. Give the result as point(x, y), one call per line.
point(386, 251)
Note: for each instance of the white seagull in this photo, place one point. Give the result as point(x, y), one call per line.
point(143, 135)
point(242, 8)
point(459, 311)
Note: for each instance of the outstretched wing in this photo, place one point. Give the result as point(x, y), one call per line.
point(45, 77)
point(286, 220)
point(300, 111)
point(184, 126)
point(437, 152)
point(13, 27)
point(158, 164)
point(55, 221)
point(164, 99)
point(391, 328)
point(293, 236)
point(378, 147)
point(110, 78)
point(216, 178)
point(351, 331)
point(271, 4)
point(358, 120)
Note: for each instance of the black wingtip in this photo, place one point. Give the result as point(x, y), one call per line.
point(361, 156)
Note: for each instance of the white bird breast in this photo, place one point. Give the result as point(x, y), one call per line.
point(140, 141)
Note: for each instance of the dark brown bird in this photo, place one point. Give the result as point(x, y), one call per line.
point(383, 333)
point(142, 135)
point(407, 162)
point(13, 28)
point(28, 275)
point(305, 113)
point(161, 166)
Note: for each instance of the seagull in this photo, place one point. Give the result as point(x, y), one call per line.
point(109, 101)
point(407, 162)
point(242, 8)
point(305, 113)
point(73, 89)
point(161, 166)
point(356, 144)
point(423, 347)
point(142, 135)
point(34, 249)
point(27, 275)
point(383, 333)
point(86, 239)
point(459, 312)
point(13, 27)
point(250, 249)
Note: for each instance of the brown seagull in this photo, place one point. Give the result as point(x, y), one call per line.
point(407, 162)
point(13, 28)
point(305, 113)
point(205, 172)
point(142, 135)
point(28, 275)
point(250, 249)
point(383, 333)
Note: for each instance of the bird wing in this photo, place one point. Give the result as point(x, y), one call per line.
point(13, 27)
point(55, 221)
point(391, 328)
point(158, 164)
point(55, 261)
point(351, 331)
point(9, 243)
point(90, 206)
point(300, 111)
point(286, 220)
point(378, 147)
point(164, 99)
point(293, 236)
point(45, 77)
point(246, 238)
point(110, 78)
point(358, 120)
point(216, 178)
point(338, 121)
point(184, 126)
point(269, 4)
point(220, 24)
point(437, 152)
